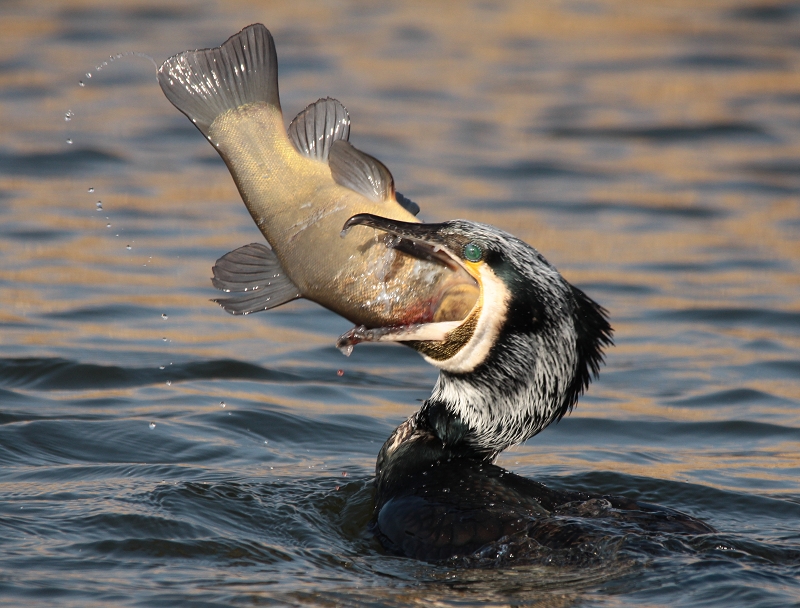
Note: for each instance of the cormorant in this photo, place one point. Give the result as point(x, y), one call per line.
point(520, 360)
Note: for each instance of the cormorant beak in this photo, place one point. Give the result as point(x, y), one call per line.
point(424, 242)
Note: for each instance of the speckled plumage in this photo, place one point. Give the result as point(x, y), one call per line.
point(439, 495)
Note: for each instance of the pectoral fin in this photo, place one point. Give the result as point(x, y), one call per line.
point(255, 273)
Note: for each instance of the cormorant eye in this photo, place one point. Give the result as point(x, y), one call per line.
point(472, 252)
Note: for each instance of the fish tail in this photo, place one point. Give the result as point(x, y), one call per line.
point(208, 82)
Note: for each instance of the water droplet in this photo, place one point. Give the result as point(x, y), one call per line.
point(161, 367)
point(266, 442)
point(128, 247)
point(90, 190)
point(344, 473)
point(346, 350)
point(68, 115)
point(152, 425)
point(169, 382)
point(81, 83)
point(164, 316)
point(88, 74)
point(99, 205)
point(340, 372)
point(164, 339)
point(108, 225)
point(222, 404)
point(69, 141)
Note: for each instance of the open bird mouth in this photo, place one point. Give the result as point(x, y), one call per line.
point(455, 315)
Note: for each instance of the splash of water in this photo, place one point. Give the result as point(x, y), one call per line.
point(117, 57)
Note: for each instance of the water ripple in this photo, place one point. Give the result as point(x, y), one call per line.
point(52, 164)
point(666, 134)
point(63, 374)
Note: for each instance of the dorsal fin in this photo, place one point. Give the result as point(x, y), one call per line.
point(208, 82)
point(352, 168)
point(314, 130)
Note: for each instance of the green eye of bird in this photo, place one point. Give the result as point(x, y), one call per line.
point(472, 252)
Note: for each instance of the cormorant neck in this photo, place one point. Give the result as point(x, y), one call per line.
point(457, 438)
point(538, 364)
point(515, 393)
point(476, 415)
point(430, 435)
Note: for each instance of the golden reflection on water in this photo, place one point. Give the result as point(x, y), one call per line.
point(767, 470)
point(459, 90)
point(559, 121)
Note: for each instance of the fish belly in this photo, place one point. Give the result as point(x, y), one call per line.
point(300, 210)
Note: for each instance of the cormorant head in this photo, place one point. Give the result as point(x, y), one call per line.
point(523, 355)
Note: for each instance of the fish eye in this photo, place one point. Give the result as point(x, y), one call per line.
point(472, 252)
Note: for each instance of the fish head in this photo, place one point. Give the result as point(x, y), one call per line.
point(516, 287)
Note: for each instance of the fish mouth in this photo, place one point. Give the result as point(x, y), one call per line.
point(442, 334)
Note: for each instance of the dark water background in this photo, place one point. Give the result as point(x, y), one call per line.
point(651, 151)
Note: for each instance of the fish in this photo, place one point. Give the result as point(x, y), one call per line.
point(301, 185)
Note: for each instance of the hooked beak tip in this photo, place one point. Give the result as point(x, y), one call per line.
point(360, 219)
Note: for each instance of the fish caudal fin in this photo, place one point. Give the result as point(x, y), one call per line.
point(256, 274)
point(206, 83)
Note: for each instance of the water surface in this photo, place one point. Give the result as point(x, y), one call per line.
point(156, 451)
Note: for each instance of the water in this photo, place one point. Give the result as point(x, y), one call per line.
point(649, 150)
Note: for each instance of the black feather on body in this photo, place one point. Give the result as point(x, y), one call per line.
point(436, 502)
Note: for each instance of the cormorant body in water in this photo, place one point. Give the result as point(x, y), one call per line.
point(530, 348)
